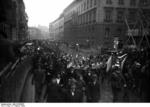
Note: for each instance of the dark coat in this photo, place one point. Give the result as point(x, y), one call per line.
point(93, 92)
point(77, 97)
point(54, 93)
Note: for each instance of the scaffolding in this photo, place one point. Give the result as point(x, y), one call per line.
point(142, 27)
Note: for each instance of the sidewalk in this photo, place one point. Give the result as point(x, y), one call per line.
point(13, 86)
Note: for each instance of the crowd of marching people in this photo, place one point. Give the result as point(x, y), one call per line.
point(77, 78)
point(68, 78)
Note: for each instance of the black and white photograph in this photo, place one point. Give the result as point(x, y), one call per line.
point(74, 51)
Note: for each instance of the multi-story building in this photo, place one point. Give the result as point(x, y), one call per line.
point(34, 33)
point(56, 29)
point(38, 33)
point(13, 19)
point(23, 20)
point(101, 21)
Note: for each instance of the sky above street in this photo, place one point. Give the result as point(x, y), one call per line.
point(42, 12)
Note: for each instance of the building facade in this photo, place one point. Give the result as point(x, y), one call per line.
point(56, 29)
point(101, 21)
point(13, 19)
point(34, 33)
point(22, 21)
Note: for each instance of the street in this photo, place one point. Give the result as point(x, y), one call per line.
point(75, 51)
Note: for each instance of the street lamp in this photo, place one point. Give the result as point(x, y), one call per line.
point(77, 47)
point(87, 42)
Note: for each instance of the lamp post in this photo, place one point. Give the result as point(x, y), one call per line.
point(77, 47)
point(87, 42)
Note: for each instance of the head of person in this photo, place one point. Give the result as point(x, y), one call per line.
point(94, 77)
point(58, 75)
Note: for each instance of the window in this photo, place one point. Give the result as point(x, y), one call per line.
point(107, 32)
point(120, 16)
point(79, 19)
point(108, 15)
point(91, 3)
point(86, 17)
point(92, 29)
point(95, 1)
point(90, 17)
point(84, 21)
point(84, 6)
point(119, 32)
point(108, 1)
point(132, 2)
point(121, 2)
point(88, 4)
point(132, 16)
point(80, 9)
point(144, 2)
point(94, 14)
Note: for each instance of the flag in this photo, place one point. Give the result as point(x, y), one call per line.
point(70, 65)
point(123, 62)
point(126, 21)
point(109, 64)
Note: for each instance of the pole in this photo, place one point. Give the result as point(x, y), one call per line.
point(130, 29)
point(144, 34)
